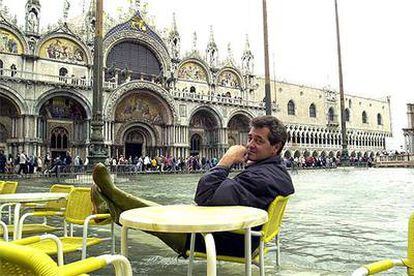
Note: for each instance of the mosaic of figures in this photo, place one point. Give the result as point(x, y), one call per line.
point(192, 71)
point(63, 50)
point(239, 122)
point(140, 107)
point(229, 79)
point(63, 108)
point(203, 120)
point(9, 43)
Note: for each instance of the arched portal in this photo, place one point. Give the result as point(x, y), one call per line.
point(141, 122)
point(138, 141)
point(238, 130)
point(196, 141)
point(205, 124)
point(63, 126)
point(9, 113)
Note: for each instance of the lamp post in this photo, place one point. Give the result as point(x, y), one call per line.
point(97, 149)
point(344, 154)
point(268, 101)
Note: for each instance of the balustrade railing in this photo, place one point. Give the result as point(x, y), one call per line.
point(25, 75)
point(216, 99)
point(113, 84)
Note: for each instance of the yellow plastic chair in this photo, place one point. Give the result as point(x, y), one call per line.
point(17, 259)
point(8, 187)
point(387, 264)
point(5, 232)
point(55, 205)
point(41, 210)
point(270, 231)
point(78, 212)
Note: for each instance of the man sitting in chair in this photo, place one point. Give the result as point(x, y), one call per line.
point(264, 178)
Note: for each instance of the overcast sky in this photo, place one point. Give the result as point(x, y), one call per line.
point(377, 40)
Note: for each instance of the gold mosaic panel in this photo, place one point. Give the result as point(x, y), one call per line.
point(141, 107)
point(63, 49)
point(192, 71)
point(9, 43)
point(229, 79)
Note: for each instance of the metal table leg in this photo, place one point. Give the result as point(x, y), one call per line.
point(211, 255)
point(124, 240)
point(16, 234)
point(248, 251)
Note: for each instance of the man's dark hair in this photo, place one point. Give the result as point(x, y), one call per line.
point(277, 134)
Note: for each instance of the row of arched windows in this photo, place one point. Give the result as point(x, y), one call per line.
point(332, 139)
point(291, 108)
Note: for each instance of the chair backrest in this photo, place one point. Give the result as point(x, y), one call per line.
point(79, 205)
point(24, 260)
point(410, 248)
point(275, 212)
point(9, 187)
point(59, 188)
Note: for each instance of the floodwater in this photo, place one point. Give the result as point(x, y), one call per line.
point(336, 221)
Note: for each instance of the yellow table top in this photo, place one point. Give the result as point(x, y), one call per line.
point(193, 219)
point(31, 197)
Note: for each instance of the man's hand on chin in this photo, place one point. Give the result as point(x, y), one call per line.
point(234, 155)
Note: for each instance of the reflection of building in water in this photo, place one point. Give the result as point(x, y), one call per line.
point(409, 132)
point(156, 100)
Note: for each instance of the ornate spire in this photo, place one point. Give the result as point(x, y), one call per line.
point(138, 5)
point(66, 7)
point(90, 22)
point(174, 24)
point(230, 59)
point(134, 6)
point(194, 42)
point(247, 59)
point(211, 41)
point(32, 17)
point(247, 45)
point(174, 40)
point(212, 50)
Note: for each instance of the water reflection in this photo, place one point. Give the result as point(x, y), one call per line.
point(336, 221)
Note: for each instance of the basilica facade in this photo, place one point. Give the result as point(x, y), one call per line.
point(156, 100)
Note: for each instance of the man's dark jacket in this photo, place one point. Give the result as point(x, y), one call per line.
point(256, 186)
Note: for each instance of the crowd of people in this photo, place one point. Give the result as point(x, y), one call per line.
point(160, 163)
point(326, 161)
point(47, 165)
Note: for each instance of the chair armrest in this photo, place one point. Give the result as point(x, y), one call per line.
point(121, 264)
point(377, 267)
point(35, 239)
point(5, 205)
point(85, 229)
point(36, 214)
point(45, 213)
point(5, 231)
